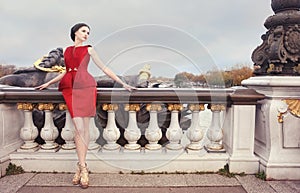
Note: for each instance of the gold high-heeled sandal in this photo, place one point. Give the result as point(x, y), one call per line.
point(76, 177)
point(84, 176)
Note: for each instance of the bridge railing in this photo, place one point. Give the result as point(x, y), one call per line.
point(145, 121)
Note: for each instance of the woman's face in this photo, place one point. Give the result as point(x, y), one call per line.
point(82, 34)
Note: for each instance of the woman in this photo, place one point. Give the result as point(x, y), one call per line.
point(79, 90)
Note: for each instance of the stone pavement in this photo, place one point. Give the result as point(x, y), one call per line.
point(146, 183)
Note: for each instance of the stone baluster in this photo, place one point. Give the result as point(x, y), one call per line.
point(49, 132)
point(194, 132)
point(153, 133)
point(94, 135)
point(174, 132)
point(215, 132)
point(28, 132)
point(132, 133)
point(111, 132)
point(68, 132)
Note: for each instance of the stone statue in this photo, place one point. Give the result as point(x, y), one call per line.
point(144, 75)
point(54, 58)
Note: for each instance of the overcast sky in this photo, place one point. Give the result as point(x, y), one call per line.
point(170, 35)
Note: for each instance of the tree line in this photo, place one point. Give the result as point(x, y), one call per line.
point(214, 78)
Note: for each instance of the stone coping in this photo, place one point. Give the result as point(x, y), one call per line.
point(229, 96)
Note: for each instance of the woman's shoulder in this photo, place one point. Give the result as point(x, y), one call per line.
point(83, 47)
point(90, 48)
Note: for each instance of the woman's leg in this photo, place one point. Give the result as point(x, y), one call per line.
point(86, 122)
point(82, 137)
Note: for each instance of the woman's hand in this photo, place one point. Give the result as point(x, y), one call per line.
point(128, 87)
point(41, 87)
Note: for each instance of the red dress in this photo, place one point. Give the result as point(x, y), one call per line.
point(78, 86)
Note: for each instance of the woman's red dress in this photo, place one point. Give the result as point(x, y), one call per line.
point(78, 86)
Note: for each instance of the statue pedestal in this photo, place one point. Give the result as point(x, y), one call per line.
point(277, 127)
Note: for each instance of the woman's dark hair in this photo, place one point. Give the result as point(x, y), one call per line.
point(75, 28)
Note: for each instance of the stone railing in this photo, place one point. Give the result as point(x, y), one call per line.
point(171, 130)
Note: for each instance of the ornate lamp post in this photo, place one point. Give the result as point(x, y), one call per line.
point(279, 53)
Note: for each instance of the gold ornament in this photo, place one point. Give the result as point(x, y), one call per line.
point(293, 106)
point(45, 106)
point(62, 106)
point(217, 107)
point(175, 107)
point(110, 107)
point(25, 106)
point(153, 107)
point(55, 68)
point(196, 107)
point(280, 117)
point(132, 107)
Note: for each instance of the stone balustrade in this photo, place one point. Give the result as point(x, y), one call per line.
point(228, 139)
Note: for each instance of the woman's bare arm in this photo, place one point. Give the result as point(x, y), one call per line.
point(52, 81)
point(106, 70)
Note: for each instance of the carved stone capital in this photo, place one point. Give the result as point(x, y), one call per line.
point(217, 107)
point(110, 107)
point(196, 107)
point(46, 106)
point(62, 107)
point(25, 106)
point(132, 107)
point(175, 107)
point(153, 107)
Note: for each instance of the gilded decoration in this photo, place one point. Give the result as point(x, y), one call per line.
point(45, 106)
point(110, 107)
point(25, 106)
point(62, 106)
point(196, 107)
point(175, 107)
point(293, 106)
point(217, 107)
point(153, 107)
point(52, 62)
point(280, 117)
point(132, 107)
point(55, 68)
